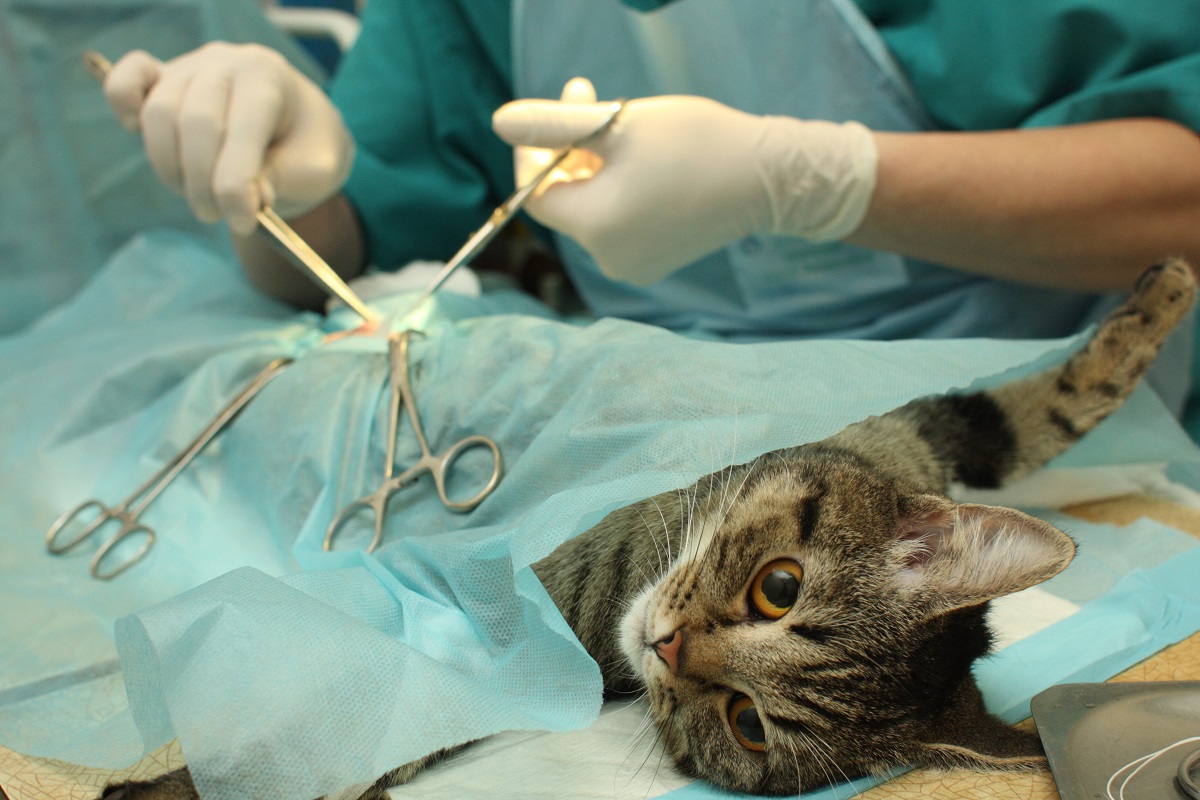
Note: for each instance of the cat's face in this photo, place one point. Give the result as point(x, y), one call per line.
point(822, 624)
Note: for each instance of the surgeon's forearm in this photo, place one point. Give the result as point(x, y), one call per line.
point(332, 229)
point(1084, 207)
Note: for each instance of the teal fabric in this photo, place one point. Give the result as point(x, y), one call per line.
point(238, 634)
point(1045, 62)
point(975, 66)
point(429, 167)
point(418, 90)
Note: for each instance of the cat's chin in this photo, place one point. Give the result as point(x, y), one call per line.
point(633, 633)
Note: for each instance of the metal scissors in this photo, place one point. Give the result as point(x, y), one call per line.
point(94, 514)
point(436, 465)
point(504, 213)
point(275, 231)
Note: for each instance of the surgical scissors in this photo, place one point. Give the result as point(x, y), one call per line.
point(275, 231)
point(504, 212)
point(436, 465)
point(128, 512)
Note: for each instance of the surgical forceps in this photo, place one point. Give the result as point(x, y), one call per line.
point(128, 512)
point(436, 465)
point(504, 212)
point(276, 232)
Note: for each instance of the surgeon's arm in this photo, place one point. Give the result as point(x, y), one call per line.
point(1085, 207)
point(235, 127)
point(1080, 207)
point(332, 229)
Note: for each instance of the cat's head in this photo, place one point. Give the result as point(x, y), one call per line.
point(822, 623)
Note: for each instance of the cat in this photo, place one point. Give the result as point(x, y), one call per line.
point(813, 615)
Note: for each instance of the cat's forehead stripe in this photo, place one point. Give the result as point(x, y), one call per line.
point(722, 552)
point(810, 512)
point(621, 567)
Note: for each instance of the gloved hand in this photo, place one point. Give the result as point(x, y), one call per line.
point(677, 177)
point(233, 128)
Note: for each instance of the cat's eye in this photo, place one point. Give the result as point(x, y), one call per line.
point(746, 725)
point(775, 588)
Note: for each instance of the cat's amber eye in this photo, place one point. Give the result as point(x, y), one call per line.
point(775, 588)
point(746, 725)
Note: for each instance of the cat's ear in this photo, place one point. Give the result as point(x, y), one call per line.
point(966, 736)
point(963, 555)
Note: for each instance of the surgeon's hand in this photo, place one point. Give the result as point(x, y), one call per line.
point(234, 128)
point(677, 177)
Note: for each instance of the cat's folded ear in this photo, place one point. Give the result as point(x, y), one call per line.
point(953, 556)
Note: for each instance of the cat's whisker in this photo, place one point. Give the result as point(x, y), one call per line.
point(615, 661)
point(725, 481)
point(650, 748)
point(685, 523)
point(717, 514)
point(662, 570)
point(618, 660)
point(723, 510)
point(695, 524)
point(629, 676)
point(628, 767)
point(666, 528)
point(648, 578)
point(654, 540)
point(662, 752)
point(799, 773)
point(814, 740)
point(785, 463)
point(645, 726)
point(623, 603)
point(815, 757)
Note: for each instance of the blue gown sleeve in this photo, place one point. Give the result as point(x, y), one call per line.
point(1027, 63)
point(417, 91)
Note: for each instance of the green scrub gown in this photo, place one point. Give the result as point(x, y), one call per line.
point(419, 88)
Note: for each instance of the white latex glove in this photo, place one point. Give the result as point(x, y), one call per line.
point(677, 177)
point(233, 128)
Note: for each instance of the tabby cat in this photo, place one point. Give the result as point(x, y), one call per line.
point(816, 611)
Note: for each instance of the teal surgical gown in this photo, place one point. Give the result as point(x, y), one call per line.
point(419, 89)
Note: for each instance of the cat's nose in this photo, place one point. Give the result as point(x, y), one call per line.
point(669, 649)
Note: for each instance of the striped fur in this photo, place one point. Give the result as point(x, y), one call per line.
point(870, 669)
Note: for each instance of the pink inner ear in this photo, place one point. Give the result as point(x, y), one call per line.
point(928, 536)
point(972, 553)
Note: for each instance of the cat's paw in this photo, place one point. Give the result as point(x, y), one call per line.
point(1163, 294)
point(1129, 338)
